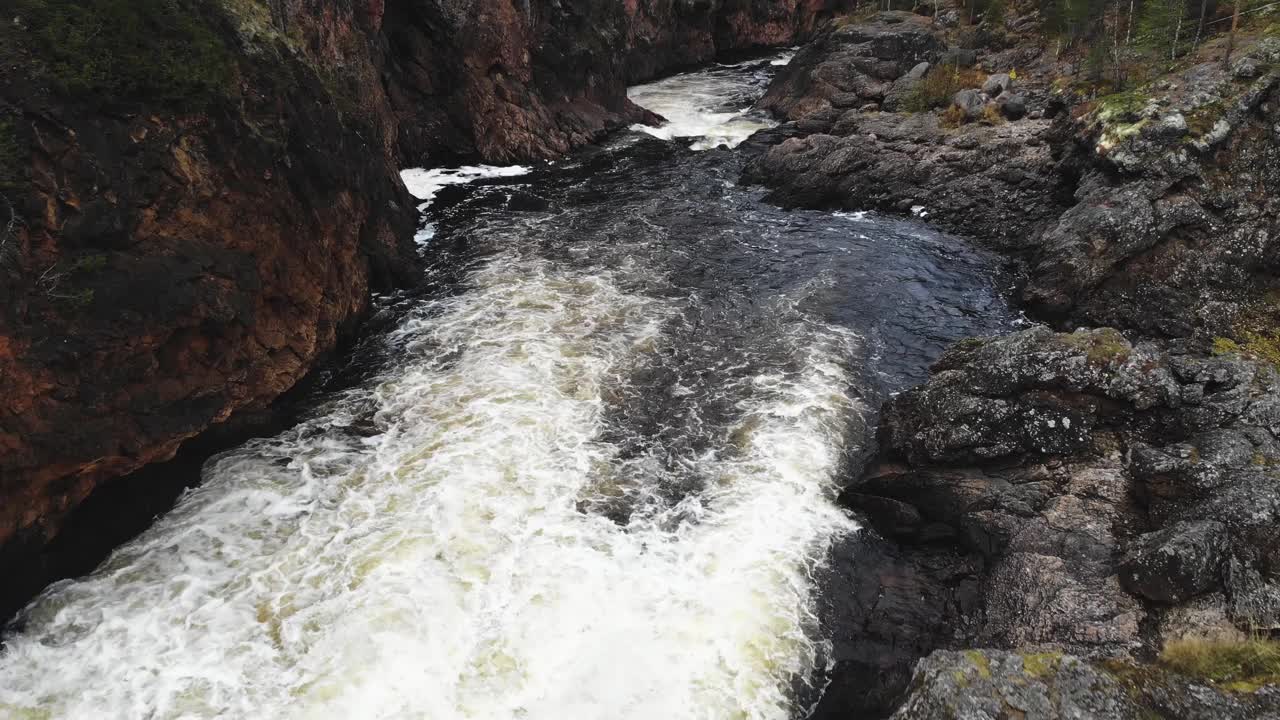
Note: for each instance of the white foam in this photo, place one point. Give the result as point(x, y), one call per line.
point(438, 565)
point(704, 105)
point(425, 184)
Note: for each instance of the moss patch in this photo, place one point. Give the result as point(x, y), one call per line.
point(1202, 119)
point(1122, 107)
point(1240, 666)
point(1040, 665)
point(981, 662)
point(1103, 347)
point(111, 50)
point(1263, 346)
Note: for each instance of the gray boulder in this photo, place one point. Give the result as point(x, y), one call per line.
point(996, 84)
point(972, 102)
point(959, 57)
point(1012, 105)
point(1175, 564)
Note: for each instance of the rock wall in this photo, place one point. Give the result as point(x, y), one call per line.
point(199, 195)
point(1099, 493)
point(1151, 210)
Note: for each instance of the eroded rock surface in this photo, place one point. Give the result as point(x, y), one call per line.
point(1107, 496)
point(1156, 216)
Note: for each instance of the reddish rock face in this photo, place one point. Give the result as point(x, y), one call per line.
point(174, 265)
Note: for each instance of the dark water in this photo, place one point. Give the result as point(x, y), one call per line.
point(589, 470)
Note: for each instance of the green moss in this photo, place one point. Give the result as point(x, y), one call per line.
point(1041, 665)
point(1263, 346)
point(114, 50)
point(1240, 666)
point(1202, 119)
point(1225, 346)
point(1122, 106)
point(1102, 347)
point(981, 662)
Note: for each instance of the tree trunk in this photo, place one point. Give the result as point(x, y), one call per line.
point(1177, 33)
point(1204, 9)
point(1231, 36)
point(1128, 30)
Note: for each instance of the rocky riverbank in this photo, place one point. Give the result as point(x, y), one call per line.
point(1075, 505)
point(199, 196)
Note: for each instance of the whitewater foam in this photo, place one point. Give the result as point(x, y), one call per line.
point(418, 550)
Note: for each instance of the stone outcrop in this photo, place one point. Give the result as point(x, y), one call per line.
point(851, 65)
point(1104, 497)
point(1152, 216)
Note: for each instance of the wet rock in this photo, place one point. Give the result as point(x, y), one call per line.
point(1018, 445)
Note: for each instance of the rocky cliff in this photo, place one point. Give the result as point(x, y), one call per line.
point(198, 196)
point(1090, 501)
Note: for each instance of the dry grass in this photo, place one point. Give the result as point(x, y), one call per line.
point(991, 116)
point(940, 85)
point(1243, 665)
point(952, 117)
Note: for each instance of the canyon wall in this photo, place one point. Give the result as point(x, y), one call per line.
point(197, 197)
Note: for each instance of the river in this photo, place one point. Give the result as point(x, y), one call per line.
point(591, 473)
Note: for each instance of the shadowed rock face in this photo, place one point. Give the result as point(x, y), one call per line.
point(1108, 497)
point(179, 257)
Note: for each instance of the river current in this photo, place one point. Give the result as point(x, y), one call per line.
point(590, 473)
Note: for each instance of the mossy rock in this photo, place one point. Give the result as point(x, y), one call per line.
point(112, 51)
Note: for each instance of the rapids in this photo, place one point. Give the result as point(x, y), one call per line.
point(592, 472)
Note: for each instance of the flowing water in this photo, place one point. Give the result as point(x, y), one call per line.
point(591, 475)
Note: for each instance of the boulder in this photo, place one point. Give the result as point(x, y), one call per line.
point(905, 86)
point(959, 57)
point(971, 102)
point(1012, 105)
point(996, 84)
point(1175, 564)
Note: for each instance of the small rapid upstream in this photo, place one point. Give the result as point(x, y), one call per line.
point(592, 473)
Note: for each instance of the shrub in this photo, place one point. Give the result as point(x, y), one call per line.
point(940, 85)
point(1243, 665)
point(953, 117)
point(114, 50)
point(991, 116)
